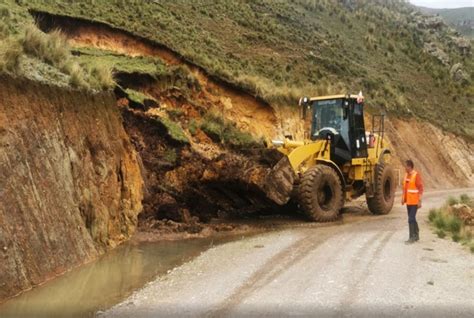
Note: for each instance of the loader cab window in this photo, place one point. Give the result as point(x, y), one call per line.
point(330, 114)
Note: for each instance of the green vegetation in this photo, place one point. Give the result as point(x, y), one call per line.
point(193, 127)
point(440, 233)
point(280, 50)
point(138, 97)
point(121, 63)
point(226, 132)
point(170, 156)
point(447, 220)
point(465, 199)
point(26, 51)
point(452, 200)
point(174, 129)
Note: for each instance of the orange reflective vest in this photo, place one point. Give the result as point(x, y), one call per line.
point(410, 190)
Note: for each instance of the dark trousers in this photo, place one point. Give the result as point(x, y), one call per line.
point(412, 213)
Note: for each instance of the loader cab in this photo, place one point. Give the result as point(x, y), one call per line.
point(340, 119)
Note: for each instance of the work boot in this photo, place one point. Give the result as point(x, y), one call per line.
point(411, 229)
point(416, 235)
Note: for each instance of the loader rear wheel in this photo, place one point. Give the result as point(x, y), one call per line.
point(384, 194)
point(320, 194)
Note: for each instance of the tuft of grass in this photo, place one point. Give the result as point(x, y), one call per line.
point(174, 130)
point(175, 113)
point(465, 199)
point(193, 127)
point(226, 132)
point(77, 77)
point(454, 225)
point(51, 48)
point(170, 156)
point(102, 76)
point(137, 97)
point(432, 215)
point(10, 55)
point(456, 237)
point(440, 221)
point(471, 247)
point(452, 201)
point(440, 233)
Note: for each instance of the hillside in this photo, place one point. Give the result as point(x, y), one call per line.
point(462, 19)
point(405, 63)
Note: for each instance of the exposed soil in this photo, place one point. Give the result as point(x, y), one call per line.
point(70, 183)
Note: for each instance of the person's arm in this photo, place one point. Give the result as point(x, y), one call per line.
point(419, 186)
point(403, 190)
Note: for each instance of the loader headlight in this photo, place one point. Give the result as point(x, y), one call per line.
point(278, 143)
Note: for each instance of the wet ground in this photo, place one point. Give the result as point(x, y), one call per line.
point(107, 281)
point(358, 267)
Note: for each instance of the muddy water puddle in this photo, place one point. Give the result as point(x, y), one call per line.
point(110, 279)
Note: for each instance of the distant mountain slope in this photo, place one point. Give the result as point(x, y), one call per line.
point(460, 18)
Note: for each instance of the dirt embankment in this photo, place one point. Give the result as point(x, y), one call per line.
point(444, 159)
point(70, 181)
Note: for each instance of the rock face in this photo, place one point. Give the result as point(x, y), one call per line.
point(70, 182)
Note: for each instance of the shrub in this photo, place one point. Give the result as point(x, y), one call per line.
point(432, 215)
point(454, 224)
point(452, 201)
point(471, 247)
point(440, 222)
point(456, 237)
point(440, 233)
point(465, 199)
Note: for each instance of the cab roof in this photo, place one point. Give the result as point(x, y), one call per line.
point(312, 99)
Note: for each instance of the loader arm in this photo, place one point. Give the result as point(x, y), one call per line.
point(300, 154)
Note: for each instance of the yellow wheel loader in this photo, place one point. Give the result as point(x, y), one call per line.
point(340, 160)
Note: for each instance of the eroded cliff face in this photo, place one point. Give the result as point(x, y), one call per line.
point(70, 181)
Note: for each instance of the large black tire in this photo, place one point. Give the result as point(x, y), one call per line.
point(320, 194)
point(384, 194)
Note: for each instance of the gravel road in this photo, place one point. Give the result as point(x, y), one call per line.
point(359, 267)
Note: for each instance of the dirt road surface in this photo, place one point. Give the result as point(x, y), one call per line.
point(359, 267)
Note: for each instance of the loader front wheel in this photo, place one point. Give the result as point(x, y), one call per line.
point(384, 194)
point(320, 194)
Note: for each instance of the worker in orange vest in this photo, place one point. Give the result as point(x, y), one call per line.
point(412, 193)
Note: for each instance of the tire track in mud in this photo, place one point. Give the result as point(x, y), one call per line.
point(237, 105)
point(273, 268)
point(350, 296)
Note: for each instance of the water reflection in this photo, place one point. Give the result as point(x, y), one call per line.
point(105, 282)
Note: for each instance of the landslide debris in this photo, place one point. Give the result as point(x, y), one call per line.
point(206, 176)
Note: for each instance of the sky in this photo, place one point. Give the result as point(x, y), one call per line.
point(443, 3)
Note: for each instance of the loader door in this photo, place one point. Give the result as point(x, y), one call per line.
point(357, 131)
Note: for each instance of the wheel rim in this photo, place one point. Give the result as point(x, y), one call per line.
point(325, 196)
